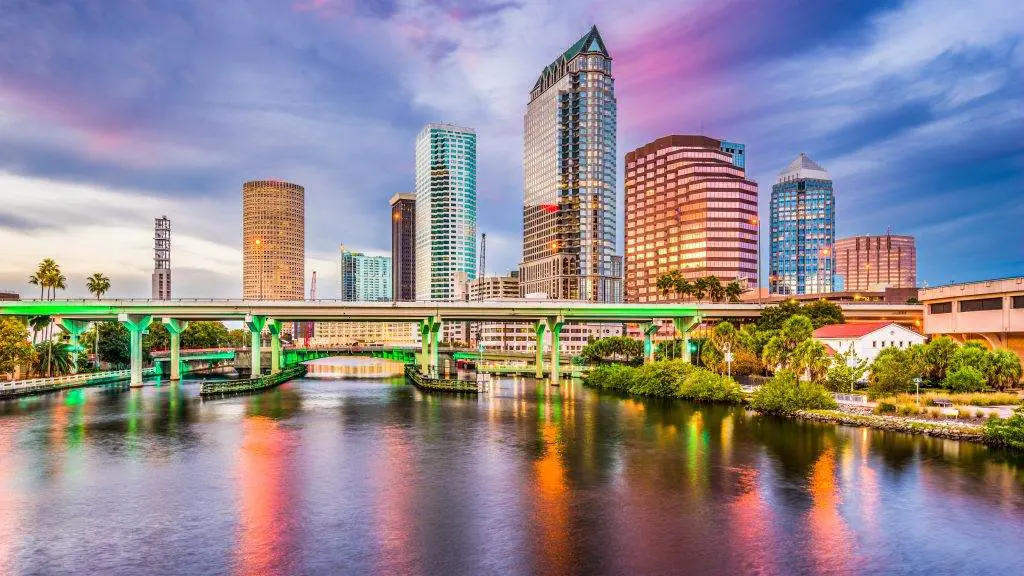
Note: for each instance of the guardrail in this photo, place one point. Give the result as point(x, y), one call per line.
point(14, 388)
point(225, 387)
point(857, 399)
point(425, 382)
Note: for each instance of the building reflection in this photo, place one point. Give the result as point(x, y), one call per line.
point(551, 503)
point(267, 538)
point(394, 507)
point(828, 535)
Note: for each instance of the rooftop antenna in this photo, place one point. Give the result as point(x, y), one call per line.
point(312, 287)
point(483, 255)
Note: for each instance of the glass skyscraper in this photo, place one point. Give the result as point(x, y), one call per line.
point(364, 278)
point(569, 168)
point(445, 209)
point(803, 230)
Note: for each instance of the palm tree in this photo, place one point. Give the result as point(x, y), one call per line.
point(43, 274)
point(700, 289)
point(58, 281)
point(38, 324)
point(810, 358)
point(733, 290)
point(665, 283)
point(97, 284)
point(716, 292)
point(1004, 369)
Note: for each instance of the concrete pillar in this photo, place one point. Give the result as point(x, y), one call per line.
point(274, 326)
point(435, 329)
point(555, 326)
point(255, 325)
point(137, 324)
point(424, 345)
point(175, 327)
point(683, 327)
point(649, 329)
point(75, 329)
point(538, 329)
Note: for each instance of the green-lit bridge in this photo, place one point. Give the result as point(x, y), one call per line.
point(545, 315)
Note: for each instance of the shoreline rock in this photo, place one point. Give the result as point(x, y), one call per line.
point(940, 429)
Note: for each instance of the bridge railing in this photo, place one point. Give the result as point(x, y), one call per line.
point(68, 380)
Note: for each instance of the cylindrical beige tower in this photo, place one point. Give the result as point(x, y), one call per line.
point(273, 240)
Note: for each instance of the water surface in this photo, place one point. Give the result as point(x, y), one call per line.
point(358, 476)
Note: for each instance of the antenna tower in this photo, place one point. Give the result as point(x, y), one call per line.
point(483, 256)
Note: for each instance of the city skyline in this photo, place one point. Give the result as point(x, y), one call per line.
point(133, 146)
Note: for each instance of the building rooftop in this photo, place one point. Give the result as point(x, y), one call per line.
point(803, 167)
point(850, 330)
point(590, 42)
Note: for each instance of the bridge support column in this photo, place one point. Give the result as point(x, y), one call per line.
point(424, 359)
point(274, 326)
point(255, 325)
point(538, 330)
point(435, 329)
point(555, 326)
point(137, 325)
point(683, 327)
point(75, 329)
point(649, 329)
point(174, 328)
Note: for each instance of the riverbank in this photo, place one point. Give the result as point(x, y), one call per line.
point(425, 382)
point(948, 429)
point(15, 388)
point(226, 387)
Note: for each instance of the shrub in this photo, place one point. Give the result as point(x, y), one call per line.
point(785, 394)
point(842, 377)
point(1008, 432)
point(701, 385)
point(893, 371)
point(611, 377)
point(972, 354)
point(658, 378)
point(965, 379)
point(884, 407)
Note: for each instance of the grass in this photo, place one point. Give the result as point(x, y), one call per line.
point(959, 399)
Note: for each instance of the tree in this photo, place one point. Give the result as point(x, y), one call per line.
point(684, 288)
point(113, 346)
point(614, 349)
point(772, 317)
point(810, 358)
point(15, 349)
point(795, 330)
point(665, 284)
point(724, 335)
point(752, 339)
point(842, 377)
point(1004, 370)
point(205, 335)
point(973, 354)
point(97, 284)
point(44, 276)
point(238, 338)
point(715, 290)
point(893, 371)
point(700, 288)
point(785, 394)
point(822, 313)
point(965, 379)
point(733, 291)
point(52, 358)
point(937, 356)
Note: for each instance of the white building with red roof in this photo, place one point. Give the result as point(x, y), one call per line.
point(866, 339)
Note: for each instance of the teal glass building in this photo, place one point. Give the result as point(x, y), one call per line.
point(364, 278)
point(445, 209)
point(803, 230)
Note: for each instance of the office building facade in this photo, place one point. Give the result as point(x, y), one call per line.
point(569, 170)
point(689, 207)
point(445, 209)
point(803, 230)
point(364, 278)
point(874, 263)
point(273, 240)
point(403, 247)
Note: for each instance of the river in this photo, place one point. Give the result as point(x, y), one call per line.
point(374, 477)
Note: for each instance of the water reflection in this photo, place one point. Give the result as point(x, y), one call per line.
point(346, 476)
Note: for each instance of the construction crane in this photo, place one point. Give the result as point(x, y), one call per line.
point(307, 328)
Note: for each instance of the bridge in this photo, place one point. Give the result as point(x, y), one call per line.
point(545, 315)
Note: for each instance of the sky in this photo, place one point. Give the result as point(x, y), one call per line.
point(114, 112)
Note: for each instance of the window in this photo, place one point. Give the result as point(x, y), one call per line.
point(981, 304)
point(941, 308)
point(1018, 302)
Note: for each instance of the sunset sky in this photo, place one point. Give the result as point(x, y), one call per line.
point(113, 112)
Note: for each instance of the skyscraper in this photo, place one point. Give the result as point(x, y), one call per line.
point(364, 278)
point(803, 230)
point(569, 178)
point(273, 240)
point(445, 209)
point(162, 259)
point(876, 262)
point(403, 246)
point(689, 207)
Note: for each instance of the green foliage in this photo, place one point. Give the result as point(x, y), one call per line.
point(778, 352)
point(700, 385)
point(15, 349)
point(614, 349)
point(97, 284)
point(842, 377)
point(754, 339)
point(658, 378)
point(205, 335)
point(972, 354)
point(784, 393)
point(937, 356)
point(965, 379)
point(823, 313)
point(52, 359)
point(113, 343)
point(712, 358)
point(1008, 432)
point(615, 377)
point(238, 338)
point(724, 334)
point(809, 357)
point(820, 313)
point(893, 371)
point(772, 317)
point(1004, 370)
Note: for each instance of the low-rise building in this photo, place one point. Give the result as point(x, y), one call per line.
point(866, 340)
point(988, 310)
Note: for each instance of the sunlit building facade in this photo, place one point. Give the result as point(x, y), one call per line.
point(803, 230)
point(689, 207)
point(273, 240)
point(364, 278)
point(403, 247)
point(875, 263)
point(445, 209)
point(569, 169)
